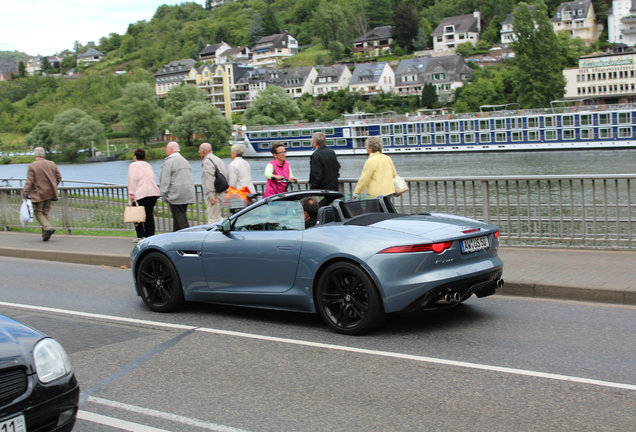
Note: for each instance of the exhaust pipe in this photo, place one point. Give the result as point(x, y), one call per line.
point(500, 283)
point(456, 297)
point(449, 298)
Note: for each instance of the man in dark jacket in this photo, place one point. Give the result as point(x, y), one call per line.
point(324, 166)
point(41, 187)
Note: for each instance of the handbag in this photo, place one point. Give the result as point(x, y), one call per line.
point(400, 185)
point(220, 182)
point(134, 213)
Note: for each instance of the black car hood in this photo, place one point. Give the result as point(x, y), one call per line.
point(16, 344)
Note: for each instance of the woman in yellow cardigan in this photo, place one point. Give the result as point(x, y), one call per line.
point(378, 172)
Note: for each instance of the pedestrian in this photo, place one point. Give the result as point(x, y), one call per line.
point(41, 188)
point(277, 169)
point(176, 185)
point(142, 187)
point(213, 199)
point(324, 168)
point(377, 174)
point(239, 173)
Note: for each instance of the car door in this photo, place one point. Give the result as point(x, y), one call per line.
point(259, 254)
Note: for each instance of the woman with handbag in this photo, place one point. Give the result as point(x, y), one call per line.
point(377, 174)
point(142, 188)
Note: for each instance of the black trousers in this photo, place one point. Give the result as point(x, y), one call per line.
point(179, 216)
point(147, 229)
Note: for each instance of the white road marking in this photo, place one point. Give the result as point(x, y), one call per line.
point(434, 360)
point(116, 423)
point(164, 416)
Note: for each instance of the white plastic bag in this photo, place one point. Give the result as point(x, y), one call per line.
point(26, 212)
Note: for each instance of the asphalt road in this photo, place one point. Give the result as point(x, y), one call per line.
point(492, 364)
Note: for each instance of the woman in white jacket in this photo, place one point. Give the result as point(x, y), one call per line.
point(239, 172)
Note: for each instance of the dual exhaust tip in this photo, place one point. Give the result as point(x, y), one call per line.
point(454, 297)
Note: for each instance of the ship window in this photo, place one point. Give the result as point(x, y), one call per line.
point(410, 128)
point(306, 132)
point(516, 136)
point(440, 139)
point(604, 133)
point(426, 140)
point(284, 133)
point(439, 127)
point(533, 122)
point(341, 142)
point(624, 132)
point(569, 134)
point(469, 138)
point(604, 118)
point(386, 141)
point(551, 135)
point(484, 137)
point(295, 133)
point(412, 140)
point(567, 120)
point(385, 130)
point(586, 119)
point(264, 145)
point(308, 143)
point(533, 135)
point(500, 136)
point(516, 123)
point(500, 123)
point(624, 118)
point(453, 126)
point(484, 125)
point(398, 140)
point(469, 125)
point(317, 130)
point(455, 139)
point(549, 121)
point(586, 133)
point(295, 144)
point(329, 131)
point(397, 129)
point(426, 127)
point(330, 142)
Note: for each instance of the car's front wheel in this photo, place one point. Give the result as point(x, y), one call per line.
point(348, 300)
point(159, 283)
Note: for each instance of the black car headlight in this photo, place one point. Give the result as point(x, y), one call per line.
point(51, 361)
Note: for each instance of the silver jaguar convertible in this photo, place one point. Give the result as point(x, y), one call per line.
point(360, 261)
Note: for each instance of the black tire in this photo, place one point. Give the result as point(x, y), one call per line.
point(159, 284)
point(348, 300)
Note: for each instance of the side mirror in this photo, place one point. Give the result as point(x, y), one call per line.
point(226, 226)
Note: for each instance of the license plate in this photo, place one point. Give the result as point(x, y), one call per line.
point(475, 244)
point(16, 424)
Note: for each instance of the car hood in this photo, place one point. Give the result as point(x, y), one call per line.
point(16, 343)
point(435, 226)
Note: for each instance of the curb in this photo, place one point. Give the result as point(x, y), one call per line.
point(109, 260)
point(568, 293)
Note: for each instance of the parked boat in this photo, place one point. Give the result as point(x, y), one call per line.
point(494, 128)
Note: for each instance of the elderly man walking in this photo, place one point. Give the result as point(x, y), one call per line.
point(176, 185)
point(213, 198)
point(41, 187)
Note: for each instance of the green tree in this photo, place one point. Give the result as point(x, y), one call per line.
point(429, 97)
point(140, 111)
point(271, 106)
point(180, 96)
point(40, 136)
point(538, 60)
point(405, 25)
point(73, 130)
point(256, 30)
point(203, 120)
point(378, 12)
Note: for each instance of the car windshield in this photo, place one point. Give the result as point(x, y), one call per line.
point(276, 215)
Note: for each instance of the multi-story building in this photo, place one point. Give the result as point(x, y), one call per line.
point(372, 78)
point(621, 22)
point(234, 55)
point(273, 49)
point(446, 73)
point(90, 56)
point(210, 53)
point(172, 74)
point(299, 80)
point(331, 78)
point(456, 30)
point(33, 65)
point(507, 29)
point(374, 43)
point(603, 79)
point(578, 19)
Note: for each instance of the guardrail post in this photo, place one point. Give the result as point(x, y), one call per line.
point(485, 204)
point(4, 204)
point(66, 219)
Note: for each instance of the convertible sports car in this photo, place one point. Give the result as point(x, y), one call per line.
point(39, 391)
point(360, 261)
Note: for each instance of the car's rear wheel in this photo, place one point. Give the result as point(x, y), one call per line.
point(159, 283)
point(348, 300)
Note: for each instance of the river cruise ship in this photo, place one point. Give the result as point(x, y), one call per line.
point(494, 128)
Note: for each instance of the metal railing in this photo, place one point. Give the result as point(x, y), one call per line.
point(595, 211)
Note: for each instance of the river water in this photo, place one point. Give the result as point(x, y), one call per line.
point(577, 162)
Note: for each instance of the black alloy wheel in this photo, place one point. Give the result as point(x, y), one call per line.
point(348, 300)
point(159, 283)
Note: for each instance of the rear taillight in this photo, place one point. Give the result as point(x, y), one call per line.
point(426, 247)
point(496, 234)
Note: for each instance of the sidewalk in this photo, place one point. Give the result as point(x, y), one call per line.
point(574, 274)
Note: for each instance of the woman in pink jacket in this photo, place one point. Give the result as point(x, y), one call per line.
point(142, 187)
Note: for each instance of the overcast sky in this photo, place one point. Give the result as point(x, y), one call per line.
point(46, 27)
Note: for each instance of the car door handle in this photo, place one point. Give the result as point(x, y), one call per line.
point(284, 248)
